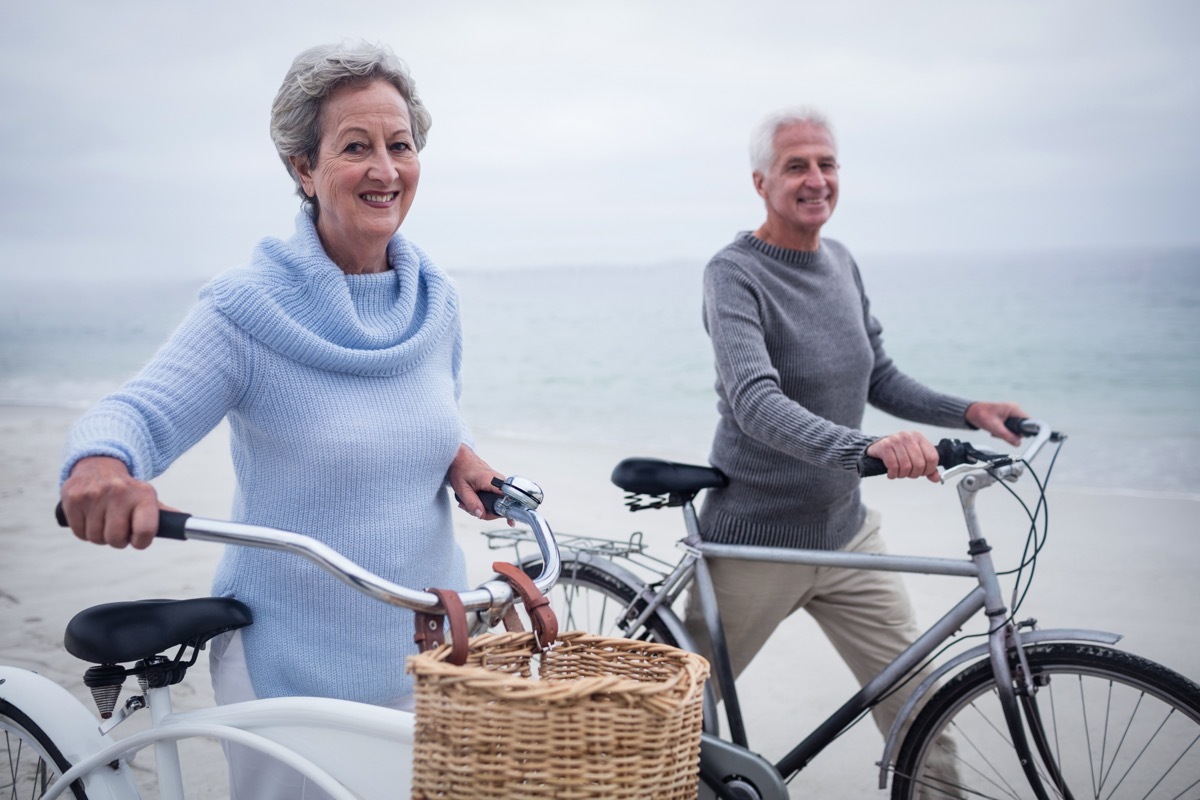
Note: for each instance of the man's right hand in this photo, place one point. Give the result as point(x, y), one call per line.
point(104, 504)
point(907, 454)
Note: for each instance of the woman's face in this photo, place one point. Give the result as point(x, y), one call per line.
point(366, 173)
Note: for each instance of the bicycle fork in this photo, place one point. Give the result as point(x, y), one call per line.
point(1017, 691)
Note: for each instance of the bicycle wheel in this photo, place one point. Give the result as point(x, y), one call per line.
point(1111, 724)
point(594, 596)
point(30, 762)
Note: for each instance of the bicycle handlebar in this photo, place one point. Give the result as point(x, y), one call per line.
point(954, 453)
point(518, 505)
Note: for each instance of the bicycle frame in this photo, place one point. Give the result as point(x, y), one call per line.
point(986, 597)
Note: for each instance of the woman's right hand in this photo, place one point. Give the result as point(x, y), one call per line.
point(104, 504)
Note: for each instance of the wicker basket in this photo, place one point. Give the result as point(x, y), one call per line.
point(591, 717)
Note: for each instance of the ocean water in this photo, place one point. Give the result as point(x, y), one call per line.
point(1105, 346)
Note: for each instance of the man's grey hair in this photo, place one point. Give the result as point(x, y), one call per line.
point(762, 141)
point(314, 75)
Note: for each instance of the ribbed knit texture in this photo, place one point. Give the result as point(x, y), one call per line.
point(342, 398)
point(798, 356)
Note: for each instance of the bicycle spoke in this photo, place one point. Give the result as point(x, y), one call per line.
point(938, 785)
point(12, 773)
point(939, 788)
point(602, 622)
point(1187, 790)
point(1087, 735)
point(1142, 752)
point(1044, 770)
point(589, 597)
point(1107, 725)
point(1002, 733)
point(570, 615)
point(13, 764)
point(1121, 744)
point(1006, 788)
point(1104, 741)
point(1174, 764)
point(1048, 772)
point(42, 777)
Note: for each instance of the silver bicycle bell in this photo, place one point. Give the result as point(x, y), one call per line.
point(520, 490)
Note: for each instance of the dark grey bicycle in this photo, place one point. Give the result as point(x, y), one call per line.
point(1055, 713)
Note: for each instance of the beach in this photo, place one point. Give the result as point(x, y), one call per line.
point(1120, 561)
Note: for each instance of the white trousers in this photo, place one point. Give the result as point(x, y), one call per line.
point(252, 775)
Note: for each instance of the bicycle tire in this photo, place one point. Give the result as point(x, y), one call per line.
point(589, 596)
point(32, 761)
point(1116, 724)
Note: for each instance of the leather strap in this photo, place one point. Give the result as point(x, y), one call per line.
point(512, 620)
point(541, 615)
point(429, 627)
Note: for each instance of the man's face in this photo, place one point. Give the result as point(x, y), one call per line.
point(801, 186)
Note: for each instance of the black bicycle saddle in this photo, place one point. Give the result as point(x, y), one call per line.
point(655, 476)
point(117, 632)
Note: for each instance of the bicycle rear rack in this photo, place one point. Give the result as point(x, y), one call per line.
point(632, 549)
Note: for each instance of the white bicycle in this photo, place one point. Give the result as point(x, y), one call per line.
point(55, 747)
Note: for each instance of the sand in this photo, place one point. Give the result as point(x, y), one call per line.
point(1123, 562)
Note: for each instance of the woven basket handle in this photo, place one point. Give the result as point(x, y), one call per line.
point(429, 633)
point(541, 615)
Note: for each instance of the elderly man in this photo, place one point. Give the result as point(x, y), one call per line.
point(798, 356)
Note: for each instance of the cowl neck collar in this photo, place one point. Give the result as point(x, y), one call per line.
point(295, 300)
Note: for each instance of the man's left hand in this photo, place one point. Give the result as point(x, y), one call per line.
point(990, 417)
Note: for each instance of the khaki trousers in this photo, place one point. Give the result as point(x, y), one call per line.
point(866, 614)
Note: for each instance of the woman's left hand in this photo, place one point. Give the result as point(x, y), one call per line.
point(469, 475)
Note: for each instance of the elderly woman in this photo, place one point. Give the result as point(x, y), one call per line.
point(335, 357)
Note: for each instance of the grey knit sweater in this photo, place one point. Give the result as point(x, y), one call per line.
point(798, 357)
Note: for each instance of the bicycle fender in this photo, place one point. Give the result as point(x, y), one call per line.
point(666, 613)
point(1029, 637)
point(366, 749)
point(74, 730)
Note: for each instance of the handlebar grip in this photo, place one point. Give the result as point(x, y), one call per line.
point(171, 524)
point(488, 499)
point(1020, 426)
point(951, 453)
point(870, 466)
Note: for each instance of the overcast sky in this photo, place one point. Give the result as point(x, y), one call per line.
point(133, 135)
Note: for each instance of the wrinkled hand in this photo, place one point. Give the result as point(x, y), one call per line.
point(104, 504)
point(907, 454)
point(468, 476)
point(990, 417)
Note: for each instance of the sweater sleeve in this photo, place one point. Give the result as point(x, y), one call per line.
point(897, 394)
point(751, 385)
point(465, 436)
point(177, 398)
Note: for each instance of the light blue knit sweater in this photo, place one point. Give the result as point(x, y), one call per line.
point(342, 398)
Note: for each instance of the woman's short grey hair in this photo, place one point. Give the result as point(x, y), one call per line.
point(762, 141)
point(314, 75)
